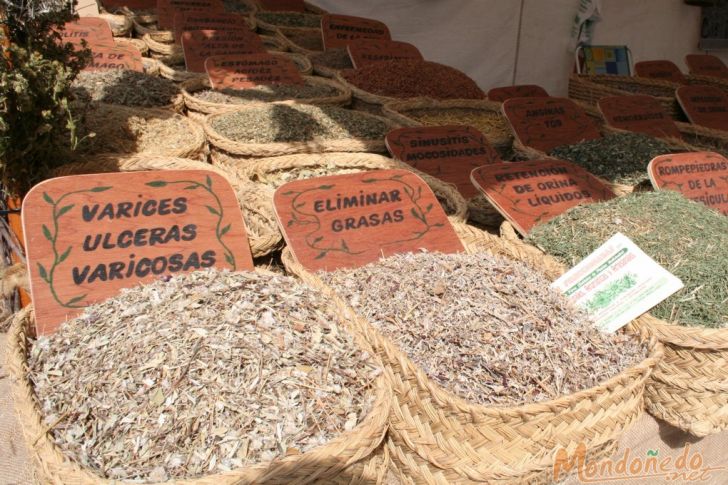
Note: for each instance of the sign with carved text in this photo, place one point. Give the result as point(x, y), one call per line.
point(339, 30)
point(111, 5)
point(706, 65)
point(88, 236)
point(502, 93)
point(704, 105)
point(449, 153)
point(699, 176)
point(201, 20)
point(662, 70)
point(346, 221)
point(283, 5)
point(167, 9)
point(367, 51)
point(534, 192)
point(639, 113)
point(115, 56)
point(93, 30)
point(198, 45)
point(245, 71)
point(546, 123)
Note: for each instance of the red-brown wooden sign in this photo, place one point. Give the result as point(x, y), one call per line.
point(639, 113)
point(663, 70)
point(367, 51)
point(346, 221)
point(449, 153)
point(706, 65)
point(167, 9)
point(339, 30)
point(283, 5)
point(534, 192)
point(700, 176)
point(198, 45)
point(502, 93)
point(93, 30)
point(546, 123)
point(704, 105)
point(115, 57)
point(201, 20)
point(88, 236)
point(130, 4)
point(245, 71)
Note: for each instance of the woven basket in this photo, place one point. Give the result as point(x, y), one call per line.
point(161, 48)
point(274, 149)
point(320, 69)
point(294, 41)
point(708, 80)
point(591, 88)
point(366, 96)
point(144, 17)
point(438, 438)
point(348, 456)
point(120, 24)
point(138, 43)
point(342, 98)
point(257, 220)
point(689, 387)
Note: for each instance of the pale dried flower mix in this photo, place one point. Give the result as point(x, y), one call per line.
point(200, 374)
point(490, 123)
point(120, 86)
point(486, 328)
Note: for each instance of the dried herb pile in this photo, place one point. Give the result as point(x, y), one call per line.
point(618, 157)
point(128, 88)
point(413, 78)
point(236, 6)
point(200, 374)
point(276, 92)
point(486, 328)
point(291, 19)
point(333, 58)
point(307, 40)
point(302, 122)
point(685, 237)
point(490, 123)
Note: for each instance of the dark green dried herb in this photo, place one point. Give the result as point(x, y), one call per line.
point(276, 92)
point(291, 19)
point(128, 88)
point(333, 58)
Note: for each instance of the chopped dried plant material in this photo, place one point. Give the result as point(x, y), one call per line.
point(291, 19)
point(199, 374)
point(312, 41)
point(333, 58)
point(490, 123)
point(278, 92)
point(486, 328)
point(237, 6)
point(129, 88)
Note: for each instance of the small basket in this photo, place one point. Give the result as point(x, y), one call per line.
point(438, 438)
point(342, 98)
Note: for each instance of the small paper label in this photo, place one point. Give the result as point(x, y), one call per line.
point(502, 93)
point(200, 20)
point(93, 30)
point(546, 123)
point(699, 176)
point(706, 65)
point(115, 57)
point(198, 45)
point(339, 30)
point(167, 9)
point(704, 105)
point(617, 283)
point(641, 114)
point(367, 51)
point(663, 70)
point(246, 71)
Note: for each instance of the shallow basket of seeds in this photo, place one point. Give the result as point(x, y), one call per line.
point(478, 345)
point(283, 129)
point(124, 87)
point(199, 96)
point(236, 377)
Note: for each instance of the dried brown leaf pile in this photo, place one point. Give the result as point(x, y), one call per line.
point(200, 374)
point(486, 328)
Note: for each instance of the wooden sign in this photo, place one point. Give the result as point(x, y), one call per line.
point(339, 30)
point(700, 176)
point(546, 123)
point(201, 20)
point(346, 221)
point(93, 30)
point(283, 5)
point(249, 70)
point(664, 70)
point(536, 191)
point(111, 5)
point(367, 51)
point(198, 45)
point(639, 113)
point(704, 105)
point(88, 236)
point(706, 65)
point(115, 57)
point(502, 93)
point(449, 153)
point(167, 9)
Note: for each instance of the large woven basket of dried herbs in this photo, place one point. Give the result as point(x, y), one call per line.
point(688, 388)
point(127, 88)
point(199, 96)
point(590, 88)
point(288, 22)
point(159, 48)
point(328, 63)
point(492, 371)
point(283, 129)
point(257, 219)
point(234, 378)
